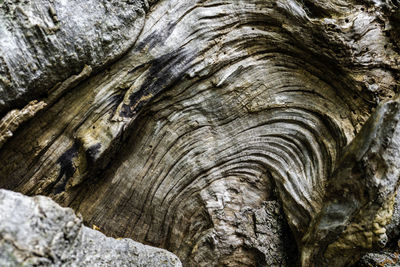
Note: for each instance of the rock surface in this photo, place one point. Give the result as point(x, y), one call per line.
point(383, 259)
point(38, 232)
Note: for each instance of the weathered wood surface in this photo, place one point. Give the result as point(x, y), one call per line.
point(43, 42)
point(360, 194)
point(219, 112)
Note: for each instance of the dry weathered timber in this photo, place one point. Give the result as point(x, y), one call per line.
point(220, 113)
point(43, 42)
point(359, 196)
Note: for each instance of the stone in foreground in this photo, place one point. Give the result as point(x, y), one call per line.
point(35, 231)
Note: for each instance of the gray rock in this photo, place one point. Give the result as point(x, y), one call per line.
point(36, 231)
point(382, 259)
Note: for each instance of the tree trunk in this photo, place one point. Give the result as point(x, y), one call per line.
point(209, 128)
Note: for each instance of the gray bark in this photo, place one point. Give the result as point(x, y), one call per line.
point(44, 42)
point(219, 126)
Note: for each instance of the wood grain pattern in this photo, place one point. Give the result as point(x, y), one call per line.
point(219, 111)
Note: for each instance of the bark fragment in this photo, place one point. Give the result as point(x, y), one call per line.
point(360, 195)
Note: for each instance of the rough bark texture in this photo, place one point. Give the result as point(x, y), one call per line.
point(43, 42)
point(223, 125)
point(37, 232)
point(359, 196)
